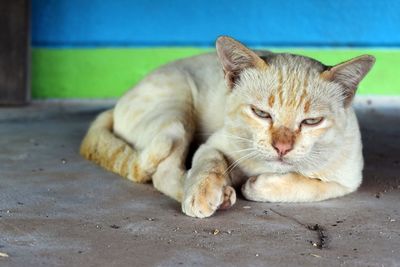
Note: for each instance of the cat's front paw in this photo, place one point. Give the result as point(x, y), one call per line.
point(204, 198)
point(258, 189)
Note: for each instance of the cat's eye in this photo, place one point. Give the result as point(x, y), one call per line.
point(260, 113)
point(312, 121)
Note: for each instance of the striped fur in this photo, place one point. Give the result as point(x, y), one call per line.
point(114, 154)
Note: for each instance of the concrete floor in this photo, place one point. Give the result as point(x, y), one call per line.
point(56, 209)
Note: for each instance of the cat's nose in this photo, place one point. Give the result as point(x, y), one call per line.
point(282, 148)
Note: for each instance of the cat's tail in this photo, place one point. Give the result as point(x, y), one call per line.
point(103, 147)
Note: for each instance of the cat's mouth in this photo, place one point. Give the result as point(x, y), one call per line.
point(278, 160)
point(282, 161)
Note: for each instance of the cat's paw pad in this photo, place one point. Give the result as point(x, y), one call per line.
point(207, 197)
point(229, 198)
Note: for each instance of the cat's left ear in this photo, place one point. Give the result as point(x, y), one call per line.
point(349, 74)
point(235, 57)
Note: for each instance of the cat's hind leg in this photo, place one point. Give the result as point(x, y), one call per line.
point(291, 187)
point(115, 154)
point(157, 118)
point(170, 173)
point(160, 147)
point(162, 138)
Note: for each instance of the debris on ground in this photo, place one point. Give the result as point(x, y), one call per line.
point(4, 255)
point(321, 243)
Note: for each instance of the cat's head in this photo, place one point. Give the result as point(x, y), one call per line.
point(290, 108)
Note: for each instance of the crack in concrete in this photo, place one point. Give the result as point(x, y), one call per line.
point(322, 236)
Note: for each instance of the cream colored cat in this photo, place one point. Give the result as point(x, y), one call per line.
point(280, 124)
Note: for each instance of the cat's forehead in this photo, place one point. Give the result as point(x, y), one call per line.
point(291, 61)
point(292, 82)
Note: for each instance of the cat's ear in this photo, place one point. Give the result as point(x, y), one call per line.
point(235, 57)
point(349, 74)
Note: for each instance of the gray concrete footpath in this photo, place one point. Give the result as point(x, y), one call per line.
point(57, 209)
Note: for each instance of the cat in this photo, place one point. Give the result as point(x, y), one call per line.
point(281, 126)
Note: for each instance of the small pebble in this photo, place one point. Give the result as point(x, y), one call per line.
point(256, 254)
point(63, 161)
point(150, 219)
point(3, 255)
point(216, 232)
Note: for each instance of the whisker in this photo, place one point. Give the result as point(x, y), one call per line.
point(237, 137)
point(242, 150)
point(236, 162)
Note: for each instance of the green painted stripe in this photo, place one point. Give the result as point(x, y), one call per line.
point(105, 73)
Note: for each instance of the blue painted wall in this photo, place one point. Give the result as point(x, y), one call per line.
point(80, 23)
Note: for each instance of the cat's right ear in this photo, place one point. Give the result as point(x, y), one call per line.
point(235, 57)
point(349, 74)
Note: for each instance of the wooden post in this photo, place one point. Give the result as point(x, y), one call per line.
point(14, 52)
